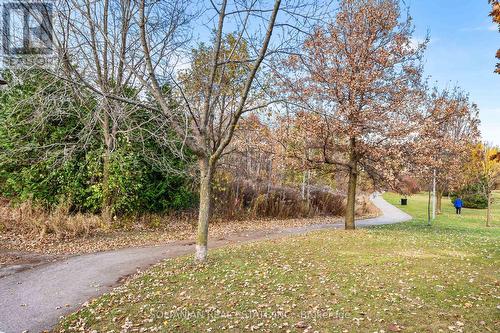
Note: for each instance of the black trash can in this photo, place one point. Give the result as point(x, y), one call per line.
point(404, 201)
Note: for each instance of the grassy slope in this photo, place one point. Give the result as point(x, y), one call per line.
point(407, 277)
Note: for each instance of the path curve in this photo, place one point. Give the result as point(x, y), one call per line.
point(33, 300)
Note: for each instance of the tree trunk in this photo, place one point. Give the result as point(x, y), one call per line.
point(351, 187)
point(488, 211)
point(308, 189)
point(303, 192)
point(439, 197)
point(351, 200)
point(206, 174)
point(108, 146)
point(106, 193)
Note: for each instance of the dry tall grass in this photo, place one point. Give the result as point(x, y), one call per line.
point(245, 199)
point(236, 200)
point(34, 221)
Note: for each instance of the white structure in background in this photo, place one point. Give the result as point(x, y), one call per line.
point(434, 195)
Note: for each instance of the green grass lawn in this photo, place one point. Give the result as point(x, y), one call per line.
point(407, 277)
point(470, 219)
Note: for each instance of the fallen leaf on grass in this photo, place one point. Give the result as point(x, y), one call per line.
point(394, 328)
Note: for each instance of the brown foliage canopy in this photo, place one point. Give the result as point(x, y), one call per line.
point(449, 128)
point(358, 81)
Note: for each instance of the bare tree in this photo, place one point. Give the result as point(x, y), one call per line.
point(209, 116)
point(99, 50)
point(131, 55)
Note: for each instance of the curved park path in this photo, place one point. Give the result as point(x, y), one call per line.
point(34, 299)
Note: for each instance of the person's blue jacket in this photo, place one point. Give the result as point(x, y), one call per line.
point(458, 203)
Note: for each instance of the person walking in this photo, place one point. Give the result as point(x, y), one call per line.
point(458, 203)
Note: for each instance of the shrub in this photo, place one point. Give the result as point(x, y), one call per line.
point(365, 207)
point(472, 196)
point(72, 169)
point(327, 202)
point(472, 200)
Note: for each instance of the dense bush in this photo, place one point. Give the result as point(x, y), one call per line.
point(43, 159)
point(472, 196)
point(472, 200)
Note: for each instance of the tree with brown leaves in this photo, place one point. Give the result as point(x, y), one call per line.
point(448, 130)
point(358, 78)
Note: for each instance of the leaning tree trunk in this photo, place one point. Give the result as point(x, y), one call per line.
point(206, 174)
point(351, 188)
point(488, 211)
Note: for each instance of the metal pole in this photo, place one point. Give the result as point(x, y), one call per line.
point(434, 195)
point(429, 208)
